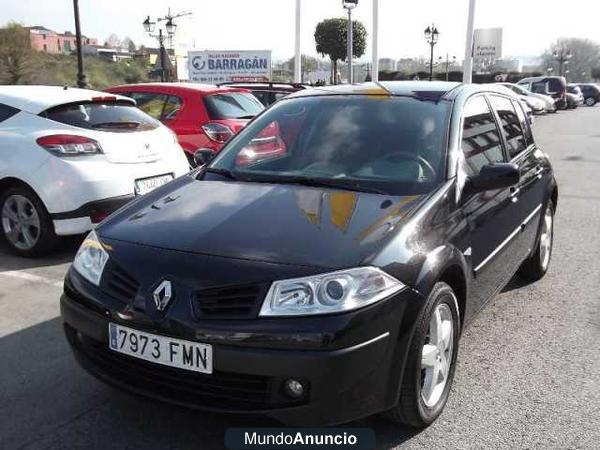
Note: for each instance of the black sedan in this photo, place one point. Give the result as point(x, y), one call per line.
point(328, 282)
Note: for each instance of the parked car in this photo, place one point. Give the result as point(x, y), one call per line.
point(576, 91)
point(572, 101)
point(329, 283)
point(549, 104)
point(70, 157)
point(202, 116)
point(556, 87)
point(268, 93)
point(591, 93)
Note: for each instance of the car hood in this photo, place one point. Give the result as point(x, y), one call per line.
point(277, 223)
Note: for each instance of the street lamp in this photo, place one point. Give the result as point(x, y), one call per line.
point(81, 83)
point(562, 56)
point(349, 5)
point(170, 27)
point(448, 62)
point(431, 36)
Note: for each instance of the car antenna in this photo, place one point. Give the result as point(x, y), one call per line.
point(65, 87)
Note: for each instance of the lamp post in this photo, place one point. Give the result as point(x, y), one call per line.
point(170, 28)
point(431, 36)
point(448, 62)
point(349, 5)
point(81, 83)
point(562, 56)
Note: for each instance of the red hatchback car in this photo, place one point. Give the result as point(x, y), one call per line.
point(202, 116)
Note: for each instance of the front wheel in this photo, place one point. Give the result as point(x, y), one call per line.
point(431, 361)
point(26, 224)
point(536, 266)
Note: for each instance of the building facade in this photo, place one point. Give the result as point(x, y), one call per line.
point(45, 40)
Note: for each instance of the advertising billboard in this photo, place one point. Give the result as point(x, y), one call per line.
point(208, 66)
point(487, 46)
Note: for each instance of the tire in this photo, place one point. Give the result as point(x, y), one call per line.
point(536, 266)
point(21, 208)
point(590, 101)
point(415, 408)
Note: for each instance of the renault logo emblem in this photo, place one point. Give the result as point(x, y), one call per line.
point(162, 295)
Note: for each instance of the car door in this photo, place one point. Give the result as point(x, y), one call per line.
point(528, 197)
point(487, 213)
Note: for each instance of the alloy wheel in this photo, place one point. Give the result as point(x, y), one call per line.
point(546, 239)
point(20, 222)
point(436, 356)
point(590, 101)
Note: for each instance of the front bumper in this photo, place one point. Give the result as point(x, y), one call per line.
point(344, 382)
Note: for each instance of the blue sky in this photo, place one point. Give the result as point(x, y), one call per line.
point(529, 25)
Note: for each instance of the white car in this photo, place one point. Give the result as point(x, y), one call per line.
point(546, 103)
point(70, 157)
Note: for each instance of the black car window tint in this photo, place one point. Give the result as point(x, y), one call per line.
point(527, 133)
point(480, 138)
point(6, 112)
point(510, 124)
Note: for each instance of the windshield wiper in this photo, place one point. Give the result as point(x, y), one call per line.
point(347, 185)
point(224, 173)
point(249, 116)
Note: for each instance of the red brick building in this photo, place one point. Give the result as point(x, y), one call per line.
point(46, 40)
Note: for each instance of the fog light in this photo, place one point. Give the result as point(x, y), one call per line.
point(293, 388)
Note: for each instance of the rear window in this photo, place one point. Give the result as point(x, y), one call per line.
point(232, 105)
point(102, 116)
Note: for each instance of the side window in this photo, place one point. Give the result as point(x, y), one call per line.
point(6, 112)
point(539, 87)
point(263, 96)
point(151, 104)
point(481, 139)
point(172, 107)
point(527, 133)
point(510, 124)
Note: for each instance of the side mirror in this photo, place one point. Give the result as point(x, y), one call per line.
point(203, 156)
point(494, 176)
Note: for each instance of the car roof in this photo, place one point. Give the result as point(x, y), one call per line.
point(423, 90)
point(35, 99)
point(433, 90)
point(175, 88)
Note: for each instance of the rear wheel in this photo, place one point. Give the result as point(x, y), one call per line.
point(536, 266)
point(26, 225)
point(590, 101)
point(431, 361)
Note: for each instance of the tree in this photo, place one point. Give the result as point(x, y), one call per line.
point(113, 41)
point(129, 44)
point(331, 39)
point(585, 56)
point(16, 55)
point(309, 64)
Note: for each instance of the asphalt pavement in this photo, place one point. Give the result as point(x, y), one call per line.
point(528, 374)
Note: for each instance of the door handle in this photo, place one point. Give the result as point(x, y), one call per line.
point(514, 194)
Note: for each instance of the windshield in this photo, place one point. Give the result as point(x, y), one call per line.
point(393, 145)
point(232, 105)
point(102, 116)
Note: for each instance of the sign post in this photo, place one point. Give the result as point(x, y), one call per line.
point(468, 66)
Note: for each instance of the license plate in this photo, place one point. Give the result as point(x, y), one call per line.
point(163, 350)
point(145, 185)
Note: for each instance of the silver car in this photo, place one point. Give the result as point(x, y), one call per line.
point(531, 97)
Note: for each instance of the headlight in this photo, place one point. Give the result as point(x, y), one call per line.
point(329, 293)
point(91, 259)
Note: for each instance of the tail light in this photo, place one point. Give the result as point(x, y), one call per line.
point(218, 132)
point(69, 145)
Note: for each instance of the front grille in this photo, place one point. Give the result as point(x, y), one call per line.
point(218, 390)
point(232, 302)
point(119, 284)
